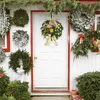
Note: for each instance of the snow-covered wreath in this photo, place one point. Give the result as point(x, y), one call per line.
point(81, 20)
point(20, 38)
point(2, 55)
point(5, 20)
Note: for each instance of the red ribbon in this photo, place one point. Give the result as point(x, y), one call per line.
point(81, 37)
point(1, 75)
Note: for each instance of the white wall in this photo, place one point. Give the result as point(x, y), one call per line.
point(78, 66)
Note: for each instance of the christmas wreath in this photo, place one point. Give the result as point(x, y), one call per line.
point(18, 56)
point(20, 18)
point(20, 38)
point(81, 20)
point(2, 55)
point(85, 42)
point(51, 30)
point(5, 21)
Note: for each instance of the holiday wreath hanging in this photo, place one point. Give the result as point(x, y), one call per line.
point(20, 38)
point(20, 17)
point(2, 55)
point(5, 21)
point(51, 30)
point(85, 42)
point(81, 19)
point(18, 56)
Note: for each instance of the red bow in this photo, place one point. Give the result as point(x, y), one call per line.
point(1, 75)
point(80, 36)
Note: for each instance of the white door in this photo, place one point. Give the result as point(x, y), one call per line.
point(51, 62)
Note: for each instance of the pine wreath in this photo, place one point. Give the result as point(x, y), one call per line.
point(20, 37)
point(15, 58)
point(85, 42)
point(81, 20)
point(81, 46)
point(51, 30)
point(2, 55)
point(20, 17)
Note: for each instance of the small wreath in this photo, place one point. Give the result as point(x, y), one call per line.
point(2, 55)
point(81, 20)
point(20, 18)
point(20, 38)
point(51, 30)
point(18, 56)
point(5, 21)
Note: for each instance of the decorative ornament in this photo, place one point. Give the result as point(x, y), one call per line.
point(20, 18)
point(20, 38)
point(51, 30)
point(15, 59)
point(5, 21)
point(81, 20)
point(2, 55)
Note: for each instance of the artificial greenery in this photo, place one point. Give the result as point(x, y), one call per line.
point(51, 30)
point(3, 97)
point(4, 81)
point(5, 21)
point(20, 17)
point(20, 38)
point(79, 24)
point(81, 20)
point(81, 49)
point(15, 58)
point(98, 95)
point(88, 85)
point(11, 98)
point(18, 90)
point(2, 55)
point(52, 5)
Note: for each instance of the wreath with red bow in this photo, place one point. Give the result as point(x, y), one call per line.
point(80, 47)
point(85, 42)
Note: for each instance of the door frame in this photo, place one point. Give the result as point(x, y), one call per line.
point(31, 51)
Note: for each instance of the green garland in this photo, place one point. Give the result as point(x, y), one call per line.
point(90, 41)
point(50, 5)
point(15, 58)
point(51, 30)
point(20, 18)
